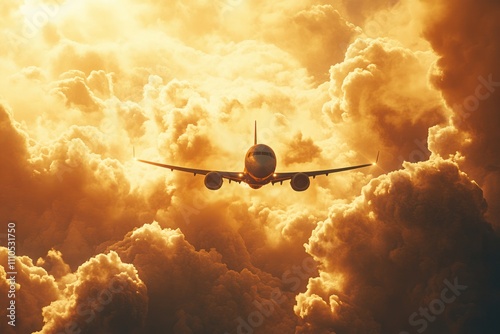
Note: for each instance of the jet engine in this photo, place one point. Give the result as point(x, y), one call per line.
point(300, 182)
point(213, 180)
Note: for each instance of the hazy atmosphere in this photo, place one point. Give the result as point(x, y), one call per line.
point(92, 241)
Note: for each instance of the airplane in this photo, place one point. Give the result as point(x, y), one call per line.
point(260, 166)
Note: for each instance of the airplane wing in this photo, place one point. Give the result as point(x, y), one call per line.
point(280, 177)
point(232, 176)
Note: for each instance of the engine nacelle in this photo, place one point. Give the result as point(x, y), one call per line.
point(213, 180)
point(300, 182)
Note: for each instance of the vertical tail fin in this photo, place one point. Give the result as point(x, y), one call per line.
point(255, 134)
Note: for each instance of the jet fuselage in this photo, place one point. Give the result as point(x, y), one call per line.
point(260, 165)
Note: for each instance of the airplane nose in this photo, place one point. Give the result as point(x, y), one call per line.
point(261, 172)
point(261, 168)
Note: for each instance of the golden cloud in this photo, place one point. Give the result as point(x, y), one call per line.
point(330, 84)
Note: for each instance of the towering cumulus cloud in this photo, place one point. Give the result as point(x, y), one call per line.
point(104, 294)
point(105, 244)
point(470, 81)
point(387, 258)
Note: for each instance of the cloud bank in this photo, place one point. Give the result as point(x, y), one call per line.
point(105, 244)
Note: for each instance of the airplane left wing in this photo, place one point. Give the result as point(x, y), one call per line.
point(232, 176)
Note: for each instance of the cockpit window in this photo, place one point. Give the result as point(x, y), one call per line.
point(270, 154)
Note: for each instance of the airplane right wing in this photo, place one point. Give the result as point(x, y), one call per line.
point(280, 177)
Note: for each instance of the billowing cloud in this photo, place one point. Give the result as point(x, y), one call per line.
point(318, 36)
point(395, 248)
point(194, 290)
point(29, 286)
point(301, 150)
point(383, 86)
point(104, 294)
point(87, 83)
point(469, 78)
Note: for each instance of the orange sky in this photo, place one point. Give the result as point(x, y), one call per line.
point(107, 244)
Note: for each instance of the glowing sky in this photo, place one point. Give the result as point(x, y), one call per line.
point(108, 245)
